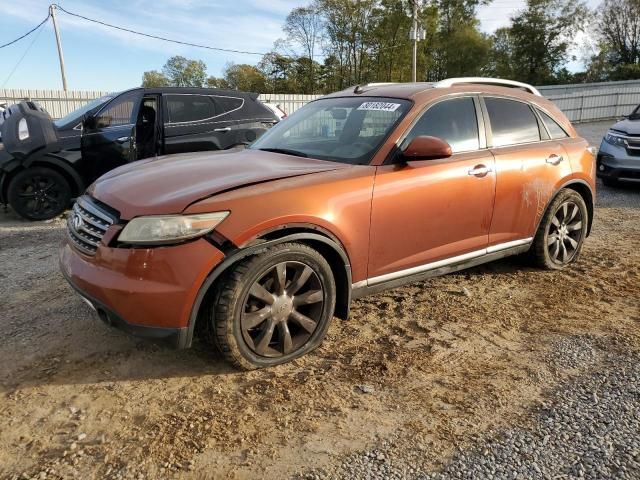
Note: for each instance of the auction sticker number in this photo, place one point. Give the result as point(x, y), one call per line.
point(379, 106)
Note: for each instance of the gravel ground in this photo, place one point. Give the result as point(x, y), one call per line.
point(494, 367)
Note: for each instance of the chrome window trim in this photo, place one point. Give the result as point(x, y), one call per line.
point(174, 124)
point(441, 263)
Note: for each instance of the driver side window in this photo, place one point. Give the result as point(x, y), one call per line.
point(119, 112)
point(453, 121)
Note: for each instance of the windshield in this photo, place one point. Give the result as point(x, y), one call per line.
point(346, 130)
point(76, 115)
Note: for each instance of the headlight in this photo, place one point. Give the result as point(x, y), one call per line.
point(23, 129)
point(163, 229)
point(614, 139)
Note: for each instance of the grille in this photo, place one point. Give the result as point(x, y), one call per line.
point(87, 225)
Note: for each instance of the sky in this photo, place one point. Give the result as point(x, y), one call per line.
point(100, 58)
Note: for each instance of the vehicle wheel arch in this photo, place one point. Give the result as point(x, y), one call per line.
point(54, 163)
point(313, 236)
point(583, 189)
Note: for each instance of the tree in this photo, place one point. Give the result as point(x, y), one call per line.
point(535, 47)
point(183, 72)
point(154, 78)
point(245, 77)
point(618, 29)
point(304, 27)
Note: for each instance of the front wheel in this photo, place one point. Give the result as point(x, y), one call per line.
point(39, 193)
point(273, 307)
point(562, 231)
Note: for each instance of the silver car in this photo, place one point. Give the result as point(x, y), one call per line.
point(619, 154)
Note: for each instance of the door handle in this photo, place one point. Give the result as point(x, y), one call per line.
point(554, 159)
point(225, 129)
point(479, 171)
point(123, 139)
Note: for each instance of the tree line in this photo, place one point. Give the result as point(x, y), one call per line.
point(332, 44)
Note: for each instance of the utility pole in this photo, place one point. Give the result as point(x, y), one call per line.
point(417, 33)
point(52, 12)
point(414, 34)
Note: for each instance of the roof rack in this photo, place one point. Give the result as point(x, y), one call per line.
point(499, 82)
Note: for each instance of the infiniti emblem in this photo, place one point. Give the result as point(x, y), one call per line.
point(77, 221)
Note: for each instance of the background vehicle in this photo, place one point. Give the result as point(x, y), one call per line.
point(619, 154)
point(123, 127)
point(2, 109)
point(359, 191)
point(276, 109)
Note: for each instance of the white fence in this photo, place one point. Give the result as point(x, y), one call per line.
point(581, 102)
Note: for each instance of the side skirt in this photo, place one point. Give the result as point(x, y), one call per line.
point(361, 289)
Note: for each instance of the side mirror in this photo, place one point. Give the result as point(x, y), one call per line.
point(426, 148)
point(89, 122)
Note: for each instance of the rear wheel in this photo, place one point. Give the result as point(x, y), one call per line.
point(562, 231)
point(273, 307)
point(39, 193)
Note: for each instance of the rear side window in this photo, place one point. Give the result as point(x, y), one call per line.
point(454, 121)
point(555, 130)
point(189, 108)
point(512, 122)
point(227, 104)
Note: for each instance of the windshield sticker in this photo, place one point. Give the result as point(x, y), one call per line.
point(379, 106)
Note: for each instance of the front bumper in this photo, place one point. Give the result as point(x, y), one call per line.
point(615, 163)
point(147, 292)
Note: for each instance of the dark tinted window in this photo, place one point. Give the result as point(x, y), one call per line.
point(118, 112)
point(189, 108)
point(227, 104)
point(555, 130)
point(454, 121)
point(512, 122)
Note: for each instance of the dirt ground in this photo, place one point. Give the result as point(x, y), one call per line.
point(432, 366)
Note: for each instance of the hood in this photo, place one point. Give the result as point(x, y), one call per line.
point(169, 184)
point(630, 127)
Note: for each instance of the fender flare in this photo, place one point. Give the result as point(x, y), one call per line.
point(567, 184)
point(186, 340)
point(42, 160)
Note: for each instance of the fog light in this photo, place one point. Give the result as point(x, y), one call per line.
point(601, 168)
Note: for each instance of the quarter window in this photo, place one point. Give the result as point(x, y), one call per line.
point(555, 130)
point(454, 121)
point(118, 112)
point(227, 104)
point(189, 108)
point(512, 122)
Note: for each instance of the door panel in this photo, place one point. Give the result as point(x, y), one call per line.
point(526, 178)
point(108, 139)
point(426, 211)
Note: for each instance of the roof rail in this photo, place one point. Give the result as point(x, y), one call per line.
point(499, 82)
point(359, 88)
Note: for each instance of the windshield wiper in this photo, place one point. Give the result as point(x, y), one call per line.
point(286, 151)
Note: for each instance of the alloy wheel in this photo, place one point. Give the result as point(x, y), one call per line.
point(40, 195)
point(282, 309)
point(565, 232)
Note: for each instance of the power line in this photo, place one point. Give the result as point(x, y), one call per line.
point(219, 49)
point(23, 55)
point(26, 34)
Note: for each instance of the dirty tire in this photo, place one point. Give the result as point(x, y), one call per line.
point(235, 307)
point(39, 193)
point(560, 235)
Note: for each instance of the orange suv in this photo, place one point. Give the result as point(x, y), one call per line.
point(362, 190)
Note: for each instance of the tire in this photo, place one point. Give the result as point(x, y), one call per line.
point(39, 193)
point(562, 231)
point(249, 331)
point(610, 182)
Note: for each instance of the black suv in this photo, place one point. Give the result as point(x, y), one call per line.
point(116, 129)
